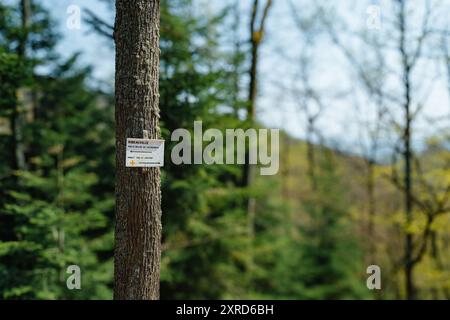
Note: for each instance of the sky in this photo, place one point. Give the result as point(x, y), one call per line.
point(277, 107)
point(333, 73)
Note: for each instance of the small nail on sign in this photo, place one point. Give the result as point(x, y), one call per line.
point(143, 153)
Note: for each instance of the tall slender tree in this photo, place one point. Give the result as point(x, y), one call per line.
point(138, 193)
point(257, 29)
point(18, 114)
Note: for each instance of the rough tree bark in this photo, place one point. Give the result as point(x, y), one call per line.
point(138, 193)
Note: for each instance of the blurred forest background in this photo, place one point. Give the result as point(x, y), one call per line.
point(364, 172)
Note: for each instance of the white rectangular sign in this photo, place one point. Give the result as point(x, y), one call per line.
point(144, 153)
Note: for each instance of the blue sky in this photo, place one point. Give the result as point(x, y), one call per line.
point(95, 50)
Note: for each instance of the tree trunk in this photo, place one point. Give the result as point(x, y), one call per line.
point(138, 193)
point(407, 154)
point(371, 209)
point(311, 155)
point(236, 60)
point(410, 290)
point(248, 172)
point(256, 35)
point(251, 111)
point(18, 115)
